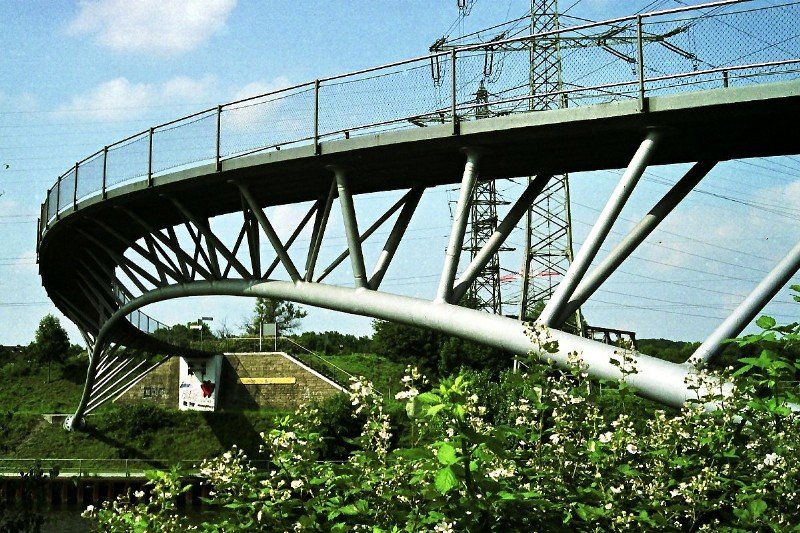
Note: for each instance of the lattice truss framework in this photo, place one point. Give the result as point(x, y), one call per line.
point(191, 259)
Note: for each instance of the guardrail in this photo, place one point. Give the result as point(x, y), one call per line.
point(711, 45)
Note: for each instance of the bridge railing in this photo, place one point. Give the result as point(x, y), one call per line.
point(719, 44)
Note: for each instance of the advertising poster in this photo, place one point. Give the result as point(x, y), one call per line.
point(199, 383)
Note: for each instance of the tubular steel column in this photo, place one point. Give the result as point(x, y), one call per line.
point(445, 290)
point(635, 237)
point(750, 307)
point(600, 229)
point(351, 228)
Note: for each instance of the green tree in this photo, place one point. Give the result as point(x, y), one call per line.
point(273, 311)
point(51, 343)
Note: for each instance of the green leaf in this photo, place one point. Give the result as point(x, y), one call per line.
point(350, 510)
point(432, 410)
point(766, 322)
point(447, 454)
point(428, 398)
point(446, 480)
point(756, 507)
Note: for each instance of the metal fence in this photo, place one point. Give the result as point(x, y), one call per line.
point(720, 44)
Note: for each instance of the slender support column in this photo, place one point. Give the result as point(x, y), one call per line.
point(393, 241)
point(77, 421)
point(253, 238)
point(351, 228)
point(121, 260)
point(293, 237)
point(150, 255)
point(320, 223)
point(747, 310)
point(634, 238)
point(235, 250)
point(99, 397)
point(126, 387)
point(270, 233)
point(500, 235)
point(172, 244)
point(212, 240)
point(366, 235)
point(445, 290)
point(600, 230)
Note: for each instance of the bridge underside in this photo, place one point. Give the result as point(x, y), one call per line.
point(105, 258)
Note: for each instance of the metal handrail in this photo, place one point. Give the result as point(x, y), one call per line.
point(456, 53)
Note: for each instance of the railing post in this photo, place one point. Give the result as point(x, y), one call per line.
point(640, 63)
point(75, 189)
point(105, 165)
point(219, 138)
point(316, 118)
point(150, 158)
point(58, 195)
point(47, 209)
point(453, 91)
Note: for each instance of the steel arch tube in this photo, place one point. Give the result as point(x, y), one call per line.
point(656, 379)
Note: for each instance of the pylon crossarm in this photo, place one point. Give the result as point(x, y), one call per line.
point(290, 241)
point(600, 229)
point(411, 201)
point(270, 232)
point(444, 292)
point(746, 311)
point(634, 238)
point(500, 235)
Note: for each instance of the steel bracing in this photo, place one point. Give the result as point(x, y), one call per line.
point(108, 247)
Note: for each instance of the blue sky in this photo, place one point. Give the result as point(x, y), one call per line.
point(80, 75)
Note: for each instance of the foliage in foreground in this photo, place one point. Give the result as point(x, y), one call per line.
point(554, 452)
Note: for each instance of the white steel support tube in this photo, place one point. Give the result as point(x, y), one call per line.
point(445, 291)
point(351, 227)
point(393, 241)
point(600, 230)
point(500, 235)
point(657, 379)
point(747, 310)
point(320, 223)
point(634, 238)
point(270, 232)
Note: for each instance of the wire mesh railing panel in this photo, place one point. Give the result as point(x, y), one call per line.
point(267, 121)
point(128, 160)
point(90, 176)
point(388, 95)
point(66, 190)
point(51, 202)
point(185, 142)
point(704, 50)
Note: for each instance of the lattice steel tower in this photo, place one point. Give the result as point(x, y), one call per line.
point(547, 250)
point(484, 294)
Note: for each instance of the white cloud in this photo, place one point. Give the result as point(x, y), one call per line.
point(151, 26)
point(121, 99)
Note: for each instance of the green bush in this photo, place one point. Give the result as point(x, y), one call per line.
point(138, 419)
point(546, 451)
